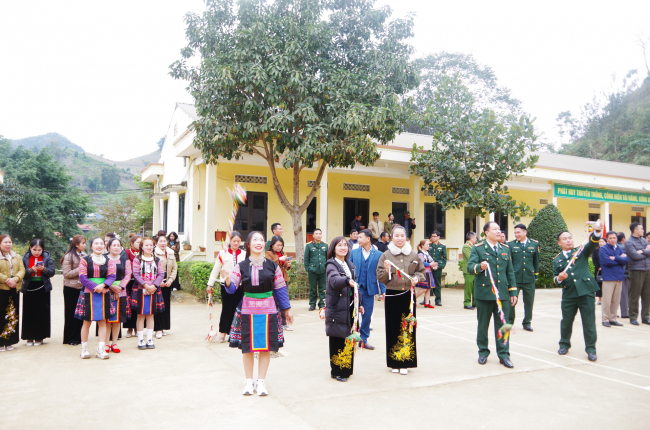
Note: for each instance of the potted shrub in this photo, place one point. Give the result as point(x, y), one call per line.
point(186, 246)
point(219, 235)
point(201, 248)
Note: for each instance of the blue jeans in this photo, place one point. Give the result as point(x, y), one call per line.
point(368, 303)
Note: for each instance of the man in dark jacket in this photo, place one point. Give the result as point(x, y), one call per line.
point(409, 224)
point(625, 290)
point(612, 265)
point(638, 251)
point(382, 243)
point(356, 223)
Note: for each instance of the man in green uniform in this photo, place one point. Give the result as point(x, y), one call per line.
point(578, 290)
point(491, 253)
point(315, 259)
point(525, 259)
point(468, 303)
point(438, 252)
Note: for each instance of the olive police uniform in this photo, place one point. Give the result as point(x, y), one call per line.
point(439, 254)
point(525, 260)
point(486, 305)
point(469, 276)
point(315, 259)
point(578, 292)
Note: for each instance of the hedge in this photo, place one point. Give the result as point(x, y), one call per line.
point(194, 276)
point(544, 228)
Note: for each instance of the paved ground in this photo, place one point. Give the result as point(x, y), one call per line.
point(189, 383)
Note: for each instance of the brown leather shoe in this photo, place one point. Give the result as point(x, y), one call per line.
point(366, 345)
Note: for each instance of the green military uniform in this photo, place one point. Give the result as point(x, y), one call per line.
point(439, 254)
point(578, 292)
point(486, 305)
point(525, 260)
point(469, 277)
point(315, 259)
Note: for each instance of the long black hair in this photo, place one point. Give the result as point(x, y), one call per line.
point(274, 240)
point(72, 248)
point(249, 239)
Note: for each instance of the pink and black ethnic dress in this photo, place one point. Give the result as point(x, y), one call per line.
point(93, 271)
point(121, 306)
point(257, 325)
point(147, 271)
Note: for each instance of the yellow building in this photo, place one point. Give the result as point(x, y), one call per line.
point(191, 197)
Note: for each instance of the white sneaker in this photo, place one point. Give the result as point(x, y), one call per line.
point(38, 342)
point(102, 354)
point(261, 388)
point(158, 334)
point(403, 371)
point(249, 389)
point(287, 328)
point(395, 370)
point(164, 333)
point(85, 353)
point(29, 343)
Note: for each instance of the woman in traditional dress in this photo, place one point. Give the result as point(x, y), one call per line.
point(147, 300)
point(120, 302)
point(223, 266)
point(132, 253)
point(71, 288)
point(276, 254)
point(425, 287)
point(12, 272)
point(257, 325)
point(96, 274)
point(401, 353)
point(36, 288)
point(339, 310)
point(162, 320)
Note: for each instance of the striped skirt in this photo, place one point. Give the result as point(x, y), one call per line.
point(120, 310)
point(142, 304)
point(93, 306)
point(260, 331)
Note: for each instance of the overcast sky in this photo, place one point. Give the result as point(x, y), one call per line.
point(97, 72)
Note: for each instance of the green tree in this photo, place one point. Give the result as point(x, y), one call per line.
point(143, 206)
point(110, 178)
point(298, 83)
point(118, 216)
point(474, 151)
point(480, 79)
point(48, 207)
point(544, 228)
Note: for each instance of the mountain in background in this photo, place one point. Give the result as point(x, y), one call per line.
point(45, 140)
point(615, 128)
point(103, 178)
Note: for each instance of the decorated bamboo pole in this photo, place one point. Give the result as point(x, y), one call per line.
point(504, 331)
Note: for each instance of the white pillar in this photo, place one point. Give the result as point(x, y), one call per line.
point(322, 206)
point(172, 212)
point(210, 217)
point(491, 216)
point(156, 209)
point(605, 215)
point(555, 201)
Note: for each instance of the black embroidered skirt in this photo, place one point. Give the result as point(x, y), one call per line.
point(401, 350)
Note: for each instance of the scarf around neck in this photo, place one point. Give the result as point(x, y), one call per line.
point(406, 249)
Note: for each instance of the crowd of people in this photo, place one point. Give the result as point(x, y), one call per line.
point(130, 288)
point(114, 286)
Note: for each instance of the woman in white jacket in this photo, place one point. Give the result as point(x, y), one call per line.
point(223, 266)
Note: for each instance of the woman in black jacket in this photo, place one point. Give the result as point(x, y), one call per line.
point(339, 302)
point(39, 268)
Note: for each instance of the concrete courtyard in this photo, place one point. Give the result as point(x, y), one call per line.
point(187, 382)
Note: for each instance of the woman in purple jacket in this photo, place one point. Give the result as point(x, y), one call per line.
point(612, 262)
